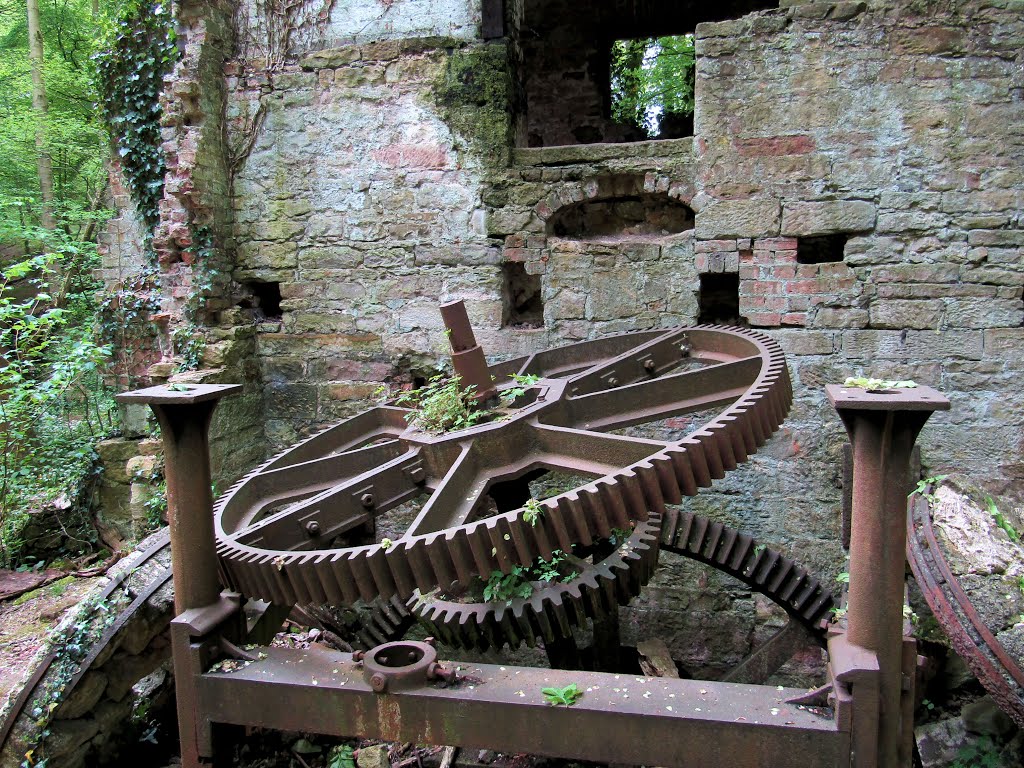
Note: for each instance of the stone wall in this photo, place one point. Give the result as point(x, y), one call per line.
point(856, 166)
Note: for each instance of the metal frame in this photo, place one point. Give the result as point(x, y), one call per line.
point(620, 718)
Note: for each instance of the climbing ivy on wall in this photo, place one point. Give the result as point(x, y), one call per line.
point(140, 51)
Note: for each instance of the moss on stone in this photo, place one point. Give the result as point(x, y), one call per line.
point(473, 95)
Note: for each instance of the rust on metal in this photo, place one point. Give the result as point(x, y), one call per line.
point(563, 424)
point(619, 718)
point(467, 356)
point(882, 426)
point(184, 412)
point(998, 671)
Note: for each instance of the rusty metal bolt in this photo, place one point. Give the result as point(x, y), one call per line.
point(379, 683)
point(430, 641)
point(313, 528)
point(613, 382)
point(649, 365)
point(418, 475)
point(685, 349)
point(358, 656)
point(367, 500)
point(437, 672)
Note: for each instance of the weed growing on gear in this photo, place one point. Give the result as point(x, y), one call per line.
point(442, 405)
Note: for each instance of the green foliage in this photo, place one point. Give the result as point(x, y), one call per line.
point(54, 403)
point(652, 78)
point(873, 385)
point(341, 756)
point(523, 383)
point(1001, 521)
point(619, 536)
point(442, 405)
point(138, 51)
point(566, 696)
point(74, 137)
point(983, 753)
point(189, 344)
point(843, 578)
point(93, 617)
point(921, 489)
point(533, 512)
point(506, 587)
point(517, 583)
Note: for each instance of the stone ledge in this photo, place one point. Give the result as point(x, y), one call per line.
point(592, 153)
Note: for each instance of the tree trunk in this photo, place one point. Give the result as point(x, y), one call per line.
point(39, 105)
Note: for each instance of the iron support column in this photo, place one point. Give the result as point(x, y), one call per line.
point(883, 426)
point(184, 415)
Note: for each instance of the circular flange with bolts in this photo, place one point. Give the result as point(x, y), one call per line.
point(554, 608)
point(577, 395)
point(402, 665)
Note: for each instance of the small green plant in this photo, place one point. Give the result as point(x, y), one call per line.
point(189, 345)
point(1001, 521)
point(341, 756)
point(565, 697)
point(872, 384)
point(843, 578)
point(927, 705)
point(619, 535)
point(506, 587)
point(838, 614)
point(983, 753)
point(533, 512)
point(386, 543)
point(442, 405)
point(523, 383)
point(921, 489)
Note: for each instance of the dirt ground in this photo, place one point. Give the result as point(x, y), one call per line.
point(25, 622)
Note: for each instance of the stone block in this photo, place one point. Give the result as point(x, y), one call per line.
point(66, 736)
point(912, 345)
point(826, 218)
point(84, 697)
point(900, 313)
point(738, 218)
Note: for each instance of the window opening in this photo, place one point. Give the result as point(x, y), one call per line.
point(521, 293)
point(266, 299)
point(820, 249)
point(652, 83)
point(720, 298)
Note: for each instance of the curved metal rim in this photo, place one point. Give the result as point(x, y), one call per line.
point(423, 562)
point(997, 671)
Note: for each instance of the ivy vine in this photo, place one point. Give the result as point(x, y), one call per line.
point(139, 52)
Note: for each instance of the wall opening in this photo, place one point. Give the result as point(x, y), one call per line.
point(651, 85)
point(632, 217)
point(574, 68)
point(719, 299)
point(820, 249)
point(266, 299)
point(522, 306)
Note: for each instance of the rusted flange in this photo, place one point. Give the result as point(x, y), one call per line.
point(402, 665)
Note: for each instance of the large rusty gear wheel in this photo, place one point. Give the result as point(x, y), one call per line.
point(275, 528)
point(553, 609)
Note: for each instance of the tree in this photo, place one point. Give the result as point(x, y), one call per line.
point(43, 164)
point(652, 81)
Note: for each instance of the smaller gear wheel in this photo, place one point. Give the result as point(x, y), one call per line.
point(552, 611)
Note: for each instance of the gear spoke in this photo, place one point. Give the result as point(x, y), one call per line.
point(340, 507)
point(591, 453)
point(660, 398)
point(453, 501)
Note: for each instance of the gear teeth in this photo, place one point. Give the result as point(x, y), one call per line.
point(615, 501)
point(552, 611)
